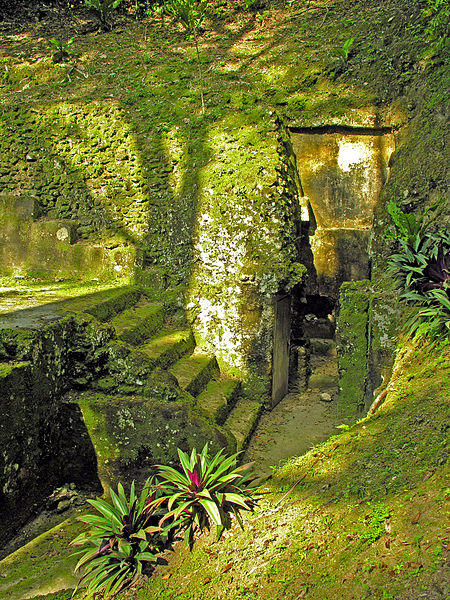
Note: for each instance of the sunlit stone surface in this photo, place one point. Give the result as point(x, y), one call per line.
point(342, 173)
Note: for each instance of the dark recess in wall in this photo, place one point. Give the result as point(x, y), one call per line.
point(323, 129)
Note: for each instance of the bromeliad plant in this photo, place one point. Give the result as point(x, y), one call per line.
point(124, 535)
point(206, 491)
point(128, 532)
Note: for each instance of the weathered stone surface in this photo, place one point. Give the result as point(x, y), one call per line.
point(242, 420)
point(342, 172)
point(299, 368)
point(46, 249)
point(53, 232)
point(339, 255)
point(138, 323)
point(352, 346)
point(384, 322)
point(245, 247)
point(218, 398)
point(24, 575)
point(132, 435)
point(43, 440)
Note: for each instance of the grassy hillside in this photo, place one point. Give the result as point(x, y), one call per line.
point(115, 139)
point(360, 516)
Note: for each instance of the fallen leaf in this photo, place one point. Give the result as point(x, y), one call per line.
point(414, 565)
point(416, 519)
point(227, 567)
point(166, 576)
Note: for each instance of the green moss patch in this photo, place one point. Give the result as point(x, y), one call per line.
point(194, 372)
point(42, 566)
point(132, 434)
point(352, 346)
point(167, 347)
point(136, 324)
point(218, 398)
point(360, 513)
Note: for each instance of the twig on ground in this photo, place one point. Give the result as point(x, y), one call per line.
point(324, 19)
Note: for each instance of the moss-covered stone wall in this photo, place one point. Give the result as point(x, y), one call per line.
point(43, 441)
point(51, 249)
point(116, 142)
point(246, 243)
point(79, 162)
point(352, 346)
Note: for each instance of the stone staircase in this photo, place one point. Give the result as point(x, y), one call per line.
point(323, 366)
point(158, 390)
point(154, 391)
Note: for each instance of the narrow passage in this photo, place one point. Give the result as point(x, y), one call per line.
point(303, 418)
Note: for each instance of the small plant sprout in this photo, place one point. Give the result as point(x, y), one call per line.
point(61, 49)
point(206, 491)
point(343, 52)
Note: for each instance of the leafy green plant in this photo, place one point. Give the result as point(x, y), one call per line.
point(342, 53)
point(435, 19)
point(423, 260)
point(205, 491)
point(61, 49)
point(124, 534)
point(422, 269)
point(340, 57)
point(433, 319)
point(190, 13)
point(104, 9)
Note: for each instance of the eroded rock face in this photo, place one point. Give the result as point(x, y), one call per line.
point(342, 171)
point(43, 441)
point(245, 246)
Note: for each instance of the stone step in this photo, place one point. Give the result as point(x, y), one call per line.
point(218, 398)
point(105, 304)
point(111, 306)
point(323, 347)
point(42, 566)
point(242, 421)
point(169, 346)
point(318, 328)
point(137, 324)
point(194, 372)
point(131, 434)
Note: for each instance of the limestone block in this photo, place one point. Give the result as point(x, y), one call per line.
point(54, 231)
point(339, 255)
point(342, 173)
point(352, 346)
